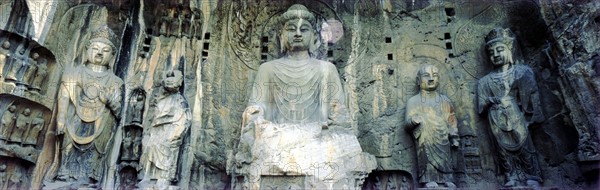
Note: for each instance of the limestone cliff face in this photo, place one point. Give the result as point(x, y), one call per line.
point(376, 46)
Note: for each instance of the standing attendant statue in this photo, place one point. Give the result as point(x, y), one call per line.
point(509, 97)
point(89, 105)
point(162, 144)
point(431, 120)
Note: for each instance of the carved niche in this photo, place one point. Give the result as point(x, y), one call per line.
point(26, 68)
point(23, 130)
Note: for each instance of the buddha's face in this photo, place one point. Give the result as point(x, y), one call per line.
point(298, 34)
point(429, 78)
point(99, 53)
point(499, 54)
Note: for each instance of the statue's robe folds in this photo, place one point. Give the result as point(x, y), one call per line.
point(88, 105)
point(433, 136)
point(161, 150)
point(296, 99)
point(509, 120)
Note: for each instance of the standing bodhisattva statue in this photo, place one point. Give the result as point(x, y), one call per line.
point(162, 140)
point(509, 97)
point(89, 105)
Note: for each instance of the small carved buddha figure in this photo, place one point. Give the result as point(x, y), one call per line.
point(163, 25)
point(37, 124)
point(175, 25)
point(40, 75)
point(186, 22)
point(32, 67)
point(4, 56)
point(88, 107)
point(509, 97)
point(196, 30)
point(9, 117)
point(23, 123)
point(431, 120)
point(170, 122)
point(17, 64)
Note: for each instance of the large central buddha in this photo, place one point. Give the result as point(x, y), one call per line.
point(296, 119)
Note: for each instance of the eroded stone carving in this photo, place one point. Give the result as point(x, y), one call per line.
point(164, 137)
point(430, 118)
point(137, 103)
point(9, 117)
point(296, 121)
point(40, 75)
point(31, 68)
point(89, 104)
point(36, 125)
point(15, 66)
point(4, 56)
point(508, 96)
point(22, 124)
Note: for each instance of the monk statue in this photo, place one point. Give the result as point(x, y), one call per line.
point(509, 97)
point(431, 120)
point(89, 105)
point(163, 139)
point(297, 115)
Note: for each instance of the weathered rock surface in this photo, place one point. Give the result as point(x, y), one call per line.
point(376, 47)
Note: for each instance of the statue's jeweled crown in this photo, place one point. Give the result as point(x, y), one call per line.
point(504, 35)
point(105, 35)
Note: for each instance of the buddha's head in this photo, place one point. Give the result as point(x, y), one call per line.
point(35, 56)
point(499, 46)
point(298, 32)
point(27, 112)
point(12, 108)
point(100, 49)
point(428, 77)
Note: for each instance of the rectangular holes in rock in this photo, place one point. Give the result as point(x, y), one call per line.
point(449, 14)
point(448, 40)
point(388, 40)
point(264, 48)
point(207, 36)
point(390, 56)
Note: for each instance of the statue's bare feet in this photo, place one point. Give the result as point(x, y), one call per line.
point(450, 185)
point(510, 183)
point(431, 184)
